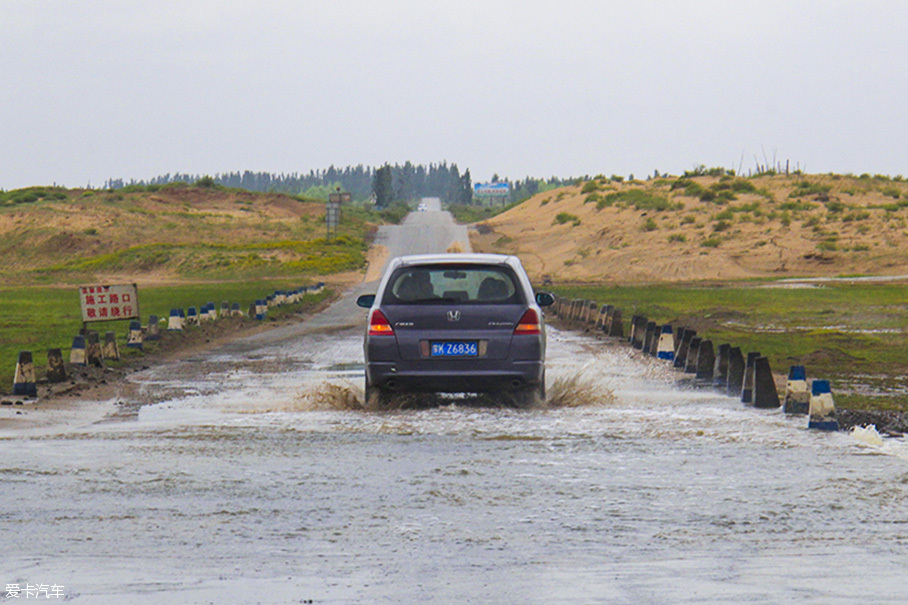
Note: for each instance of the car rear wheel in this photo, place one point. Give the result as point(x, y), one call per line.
point(375, 396)
point(530, 396)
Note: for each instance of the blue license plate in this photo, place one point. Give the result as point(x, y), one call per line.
point(455, 348)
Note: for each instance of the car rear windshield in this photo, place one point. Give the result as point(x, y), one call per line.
point(446, 284)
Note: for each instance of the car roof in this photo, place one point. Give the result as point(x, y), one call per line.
point(458, 258)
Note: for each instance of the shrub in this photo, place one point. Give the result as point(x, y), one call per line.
point(590, 187)
point(804, 188)
point(593, 197)
point(649, 225)
point(565, 217)
point(639, 199)
point(711, 242)
point(721, 226)
point(677, 237)
point(893, 192)
point(206, 181)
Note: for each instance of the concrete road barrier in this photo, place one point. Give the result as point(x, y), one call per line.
point(153, 331)
point(77, 352)
point(639, 332)
point(602, 318)
point(665, 349)
point(747, 386)
point(175, 321)
point(24, 383)
point(56, 369)
point(736, 366)
point(706, 361)
point(683, 346)
point(225, 309)
point(93, 354)
point(235, 310)
point(693, 353)
point(110, 349)
point(766, 395)
point(797, 393)
point(134, 338)
point(720, 369)
point(212, 313)
point(822, 408)
point(616, 324)
point(649, 336)
point(261, 308)
point(192, 317)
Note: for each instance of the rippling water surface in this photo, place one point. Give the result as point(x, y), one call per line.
point(250, 485)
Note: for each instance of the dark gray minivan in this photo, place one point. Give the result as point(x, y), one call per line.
point(455, 323)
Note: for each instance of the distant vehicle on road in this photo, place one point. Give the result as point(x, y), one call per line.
point(455, 323)
point(422, 207)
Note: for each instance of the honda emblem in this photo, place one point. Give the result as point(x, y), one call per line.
point(453, 315)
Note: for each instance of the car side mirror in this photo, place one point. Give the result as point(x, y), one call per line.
point(365, 301)
point(544, 299)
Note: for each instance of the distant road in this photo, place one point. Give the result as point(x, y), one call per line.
point(429, 232)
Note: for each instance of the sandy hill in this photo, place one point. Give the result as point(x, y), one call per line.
point(175, 232)
point(707, 228)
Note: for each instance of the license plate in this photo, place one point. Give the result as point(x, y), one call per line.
point(457, 348)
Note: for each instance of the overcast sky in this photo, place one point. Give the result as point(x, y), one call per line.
point(134, 89)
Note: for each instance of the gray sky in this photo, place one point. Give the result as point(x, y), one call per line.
point(134, 89)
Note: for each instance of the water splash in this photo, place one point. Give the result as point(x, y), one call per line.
point(867, 435)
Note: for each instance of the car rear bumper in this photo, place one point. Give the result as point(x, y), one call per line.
point(427, 376)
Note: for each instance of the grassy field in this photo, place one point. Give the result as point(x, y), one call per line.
point(851, 333)
point(37, 318)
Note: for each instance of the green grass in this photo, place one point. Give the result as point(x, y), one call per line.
point(38, 318)
point(852, 334)
point(474, 213)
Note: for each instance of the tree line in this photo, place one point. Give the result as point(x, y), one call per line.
point(385, 184)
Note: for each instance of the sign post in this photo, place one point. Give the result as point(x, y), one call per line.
point(109, 303)
point(492, 192)
point(333, 212)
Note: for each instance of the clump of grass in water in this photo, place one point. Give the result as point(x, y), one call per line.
point(574, 390)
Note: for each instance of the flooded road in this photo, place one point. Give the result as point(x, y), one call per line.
point(248, 487)
point(257, 479)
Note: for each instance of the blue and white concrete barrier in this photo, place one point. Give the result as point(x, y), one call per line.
point(822, 407)
point(261, 308)
point(77, 352)
point(225, 309)
point(24, 384)
point(211, 312)
point(235, 310)
point(175, 321)
point(666, 347)
point(134, 339)
point(192, 317)
point(797, 393)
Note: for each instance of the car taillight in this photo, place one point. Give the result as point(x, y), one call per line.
point(379, 325)
point(528, 324)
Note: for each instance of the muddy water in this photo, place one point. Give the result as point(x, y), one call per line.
point(261, 481)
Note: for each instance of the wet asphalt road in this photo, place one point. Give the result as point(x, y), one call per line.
point(259, 481)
